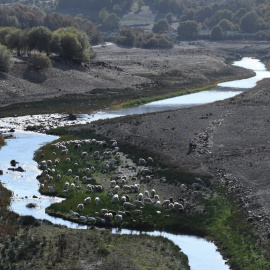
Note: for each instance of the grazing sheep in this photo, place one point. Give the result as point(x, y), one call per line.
point(81, 218)
point(127, 198)
point(147, 178)
point(123, 199)
point(171, 206)
point(137, 212)
point(67, 160)
point(96, 154)
point(64, 152)
point(108, 217)
point(89, 188)
point(93, 169)
point(178, 206)
point(98, 188)
point(147, 200)
point(52, 171)
point(73, 214)
point(84, 179)
point(122, 213)
point(97, 200)
point(142, 162)
point(128, 214)
point(126, 188)
point(127, 205)
point(153, 192)
point(116, 189)
point(72, 185)
point(50, 179)
point(79, 187)
point(140, 196)
point(136, 188)
point(87, 200)
point(84, 154)
point(156, 197)
point(66, 185)
point(87, 170)
point(91, 219)
point(58, 176)
point(112, 183)
point(76, 164)
point(118, 218)
point(165, 203)
point(146, 193)
point(149, 159)
point(183, 187)
point(49, 162)
point(115, 198)
point(158, 204)
point(104, 211)
point(80, 206)
point(76, 179)
point(69, 172)
point(113, 212)
point(138, 203)
point(56, 161)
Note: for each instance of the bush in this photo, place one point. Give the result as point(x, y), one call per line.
point(5, 59)
point(216, 33)
point(188, 30)
point(41, 61)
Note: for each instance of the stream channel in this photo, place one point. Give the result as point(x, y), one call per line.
point(201, 253)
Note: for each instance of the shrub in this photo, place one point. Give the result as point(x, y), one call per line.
point(41, 61)
point(5, 59)
point(216, 33)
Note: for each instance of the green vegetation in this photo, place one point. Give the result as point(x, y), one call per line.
point(5, 59)
point(216, 33)
point(161, 26)
point(41, 61)
point(188, 30)
point(219, 219)
point(129, 37)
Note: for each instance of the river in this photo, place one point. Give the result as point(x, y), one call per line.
point(202, 254)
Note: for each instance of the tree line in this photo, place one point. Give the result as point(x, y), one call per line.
point(23, 17)
point(68, 42)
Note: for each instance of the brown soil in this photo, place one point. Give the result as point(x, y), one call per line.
point(140, 73)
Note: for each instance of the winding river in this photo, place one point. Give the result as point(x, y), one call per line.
point(202, 254)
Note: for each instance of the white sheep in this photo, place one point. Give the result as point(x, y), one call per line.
point(115, 198)
point(178, 207)
point(81, 218)
point(166, 203)
point(171, 206)
point(76, 179)
point(108, 217)
point(72, 185)
point(127, 205)
point(51, 188)
point(49, 162)
point(87, 200)
point(122, 213)
point(96, 154)
point(136, 188)
point(147, 200)
point(149, 159)
point(66, 185)
point(153, 192)
point(140, 196)
point(146, 193)
point(123, 198)
point(138, 203)
point(69, 172)
point(80, 206)
point(84, 154)
point(84, 179)
point(116, 189)
point(91, 219)
point(156, 197)
point(123, 181)
point(104, 211)
point(142, 162)
point(118, 218)
point(97, 200)
point(93, 169)
point(68, 160)
point(112, 183)
point(89, 188)
point(87, 170)
point(58, 176)
point(158, 204)
point(126, 188)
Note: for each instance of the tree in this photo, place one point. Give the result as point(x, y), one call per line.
point(5, 59)
point(72, 44)
point(169, 18)
point(188, 30)
point(238, 15)
point(226, 25)
point(41, 61)
point(127, 38)
point(216, 33)
point(249, 22)
point(161, 26)
point(111, 22)
point(17, 40)
point(39, 39)
point(219, 15)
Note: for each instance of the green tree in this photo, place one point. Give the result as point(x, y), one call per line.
point(219, 15)
point(169, 18)
point(226, 25)
point(238, 15)
point(39, 39)
point(188, 30)
point(161, 26)
point(5, 59)
point(41, 61)
point(111, 22)
point(127, 38)
point(216, 33)
point(249, 22)
point(17, 40)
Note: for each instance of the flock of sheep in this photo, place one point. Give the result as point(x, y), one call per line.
point(126, 190)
